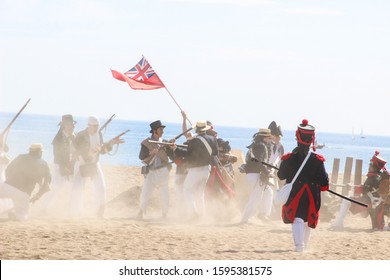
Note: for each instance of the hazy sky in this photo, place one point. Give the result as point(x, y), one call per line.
point(235, 62)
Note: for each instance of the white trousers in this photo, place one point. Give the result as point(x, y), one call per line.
point(77, 194)
point(266, 202)
point(58, 184)
point(156, 178)
point(5, 203)
point(260, 197)
point(20, 199)
point(301, 234)
point(194, 188)
point(179, 189)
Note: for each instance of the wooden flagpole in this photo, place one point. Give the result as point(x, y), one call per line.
point(176, 103)
point(170, 94)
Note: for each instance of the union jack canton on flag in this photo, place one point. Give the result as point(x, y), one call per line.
point(141, 76)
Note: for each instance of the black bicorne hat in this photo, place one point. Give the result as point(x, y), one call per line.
point(275, 129)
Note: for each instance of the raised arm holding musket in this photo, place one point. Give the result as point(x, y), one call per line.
point(6, 204)
point(4, 159)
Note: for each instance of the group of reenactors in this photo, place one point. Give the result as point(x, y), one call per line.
point(76, 159)
point(203, 158)
point(203, 167)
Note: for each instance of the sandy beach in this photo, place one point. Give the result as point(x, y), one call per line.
point(217, 237)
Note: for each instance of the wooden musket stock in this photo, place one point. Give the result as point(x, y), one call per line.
point(167, 143)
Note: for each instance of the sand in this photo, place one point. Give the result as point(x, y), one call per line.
point(217, 237)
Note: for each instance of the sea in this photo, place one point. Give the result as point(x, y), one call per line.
point(35, 128)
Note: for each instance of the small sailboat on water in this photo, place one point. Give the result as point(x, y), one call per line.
point(362, 134)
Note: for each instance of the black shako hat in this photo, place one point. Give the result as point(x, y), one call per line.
point(275, 129)
point(305, 133)
point(156, 124)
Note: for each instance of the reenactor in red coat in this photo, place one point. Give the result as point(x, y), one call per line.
point(303, 205)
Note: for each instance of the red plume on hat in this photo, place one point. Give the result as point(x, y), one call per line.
point(305, 133)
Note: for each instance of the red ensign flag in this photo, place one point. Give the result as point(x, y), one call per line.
point(141, 76)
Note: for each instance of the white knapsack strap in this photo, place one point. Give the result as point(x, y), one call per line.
point(207, 145)
point(301, 167)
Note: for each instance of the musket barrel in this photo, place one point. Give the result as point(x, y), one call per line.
point(15, 117)
point(106, 123)
point(184, 132)
point(121, 134)
point(167, 143)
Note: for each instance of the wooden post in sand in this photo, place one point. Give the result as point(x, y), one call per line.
point(335, 173)
point(347, 175)
point(358, 172)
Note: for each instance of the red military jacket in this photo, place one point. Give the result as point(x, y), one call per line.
point(305, 198)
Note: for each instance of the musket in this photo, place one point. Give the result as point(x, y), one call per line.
point(181, 134)
point(95, 152)
point(167, 143)
point(120, 135)
point(106, 123)
point(177, 137)
point(333, 192)
point(14, 119)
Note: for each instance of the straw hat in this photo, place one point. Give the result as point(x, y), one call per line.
point(36, 147)
point(264, 132)
point(201, 126)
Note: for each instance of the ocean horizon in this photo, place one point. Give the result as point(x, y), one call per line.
point(35, 128)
